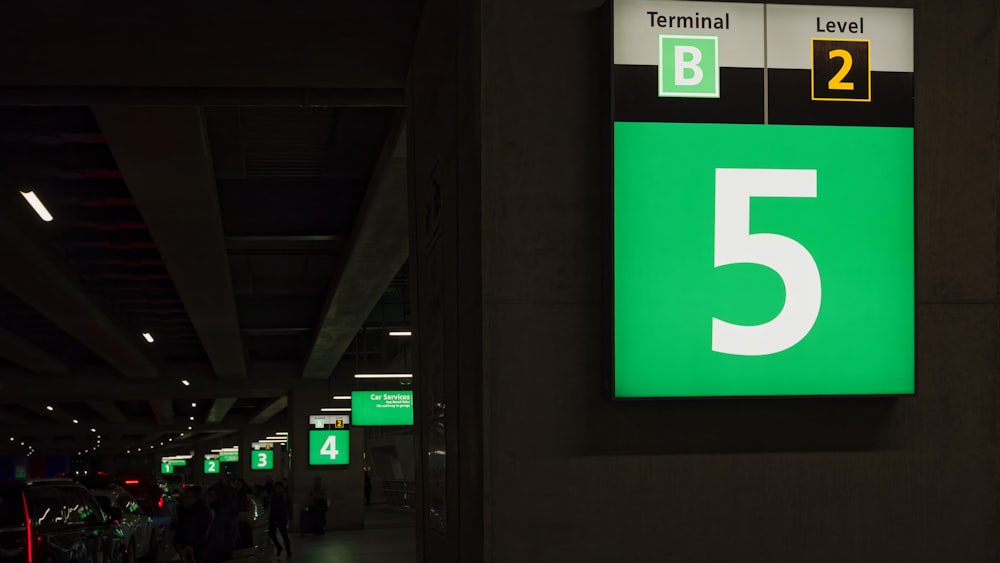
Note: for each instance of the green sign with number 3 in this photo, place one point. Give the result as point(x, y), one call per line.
point(262, 459)
point(329, 447)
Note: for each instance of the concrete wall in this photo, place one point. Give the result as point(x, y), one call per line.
point(568, 475)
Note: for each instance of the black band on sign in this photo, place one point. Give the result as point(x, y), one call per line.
point(790, 101)
point(741, 98)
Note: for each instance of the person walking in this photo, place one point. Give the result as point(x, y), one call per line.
point(193, 521)
point(277, 519)
point(318, 505)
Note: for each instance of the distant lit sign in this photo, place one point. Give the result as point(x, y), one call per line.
point(229, 456)
point(382, 408)
point(212, 466)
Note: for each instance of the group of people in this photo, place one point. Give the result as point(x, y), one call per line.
point(206, 529)
point(207, 525)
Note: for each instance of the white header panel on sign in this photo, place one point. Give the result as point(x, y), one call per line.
point(791, 29)
point(639, 24)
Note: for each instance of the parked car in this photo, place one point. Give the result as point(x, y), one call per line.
point(162, 508)
point(55, 521)
point(140, 539)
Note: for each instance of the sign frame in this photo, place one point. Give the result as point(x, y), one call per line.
point(607, 225)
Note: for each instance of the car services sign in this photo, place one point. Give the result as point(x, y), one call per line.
point(763, 200)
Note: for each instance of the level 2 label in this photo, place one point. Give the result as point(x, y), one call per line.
point(835, 26)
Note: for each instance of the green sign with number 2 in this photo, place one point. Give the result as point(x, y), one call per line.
point(757, 260)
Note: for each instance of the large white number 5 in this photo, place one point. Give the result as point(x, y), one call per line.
point(735, 245)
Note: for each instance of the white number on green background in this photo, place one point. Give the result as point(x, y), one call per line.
point(330, 448)
point(261, 459)
point(735, 245)
point(211, 466)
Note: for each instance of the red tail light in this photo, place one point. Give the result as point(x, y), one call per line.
point(160, 503)
point(27, 527)
point(132, 482)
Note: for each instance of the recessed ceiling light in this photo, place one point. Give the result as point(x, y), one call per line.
point(37, 205)
point(192, 418)
point(93, 430)
point(194, 404)
point(49, 408)
point(185, 382)
point(190, 427)
point(148, 337)
point(75, 421)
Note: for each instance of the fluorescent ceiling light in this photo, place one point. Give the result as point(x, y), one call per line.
point(401, 333)
point(281, 433)
point(148, 337)
point(336, 409)
point(341, 397)
point(37, 205)
point(383, 375)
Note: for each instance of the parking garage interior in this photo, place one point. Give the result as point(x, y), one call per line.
point(252, 203)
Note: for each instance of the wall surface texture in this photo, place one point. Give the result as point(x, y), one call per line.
point(568, 475)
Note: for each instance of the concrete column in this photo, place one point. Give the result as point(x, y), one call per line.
point(344, 484)
point(511, 166)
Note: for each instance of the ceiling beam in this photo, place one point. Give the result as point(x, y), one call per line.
point(95, 383)
point(164, 157)
point(163, 411)
point(109, 410)
point(219, 409)
point(270, 411)
point(205, 97)
point(378, 248)
point(8, 419)
point(42, 284)
point(32, 358)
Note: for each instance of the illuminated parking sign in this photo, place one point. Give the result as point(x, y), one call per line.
point(763, 206)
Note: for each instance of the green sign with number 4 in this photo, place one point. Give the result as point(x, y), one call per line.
point(762, 260)
point(329, 447)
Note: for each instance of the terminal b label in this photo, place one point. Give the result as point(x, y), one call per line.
point(841, 70)
point(689, 66)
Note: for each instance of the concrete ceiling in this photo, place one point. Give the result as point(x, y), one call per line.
point(233, 183)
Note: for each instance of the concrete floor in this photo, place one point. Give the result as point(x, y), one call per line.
point(389, 537)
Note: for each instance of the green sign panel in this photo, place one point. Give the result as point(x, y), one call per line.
point(262, 459)
point(329, 447)
point(764, 225)
point(212, 466)
point(166, 468)
point(382, 408)
point(229, 456)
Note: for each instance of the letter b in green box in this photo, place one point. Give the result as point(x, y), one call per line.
point(689, 66)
